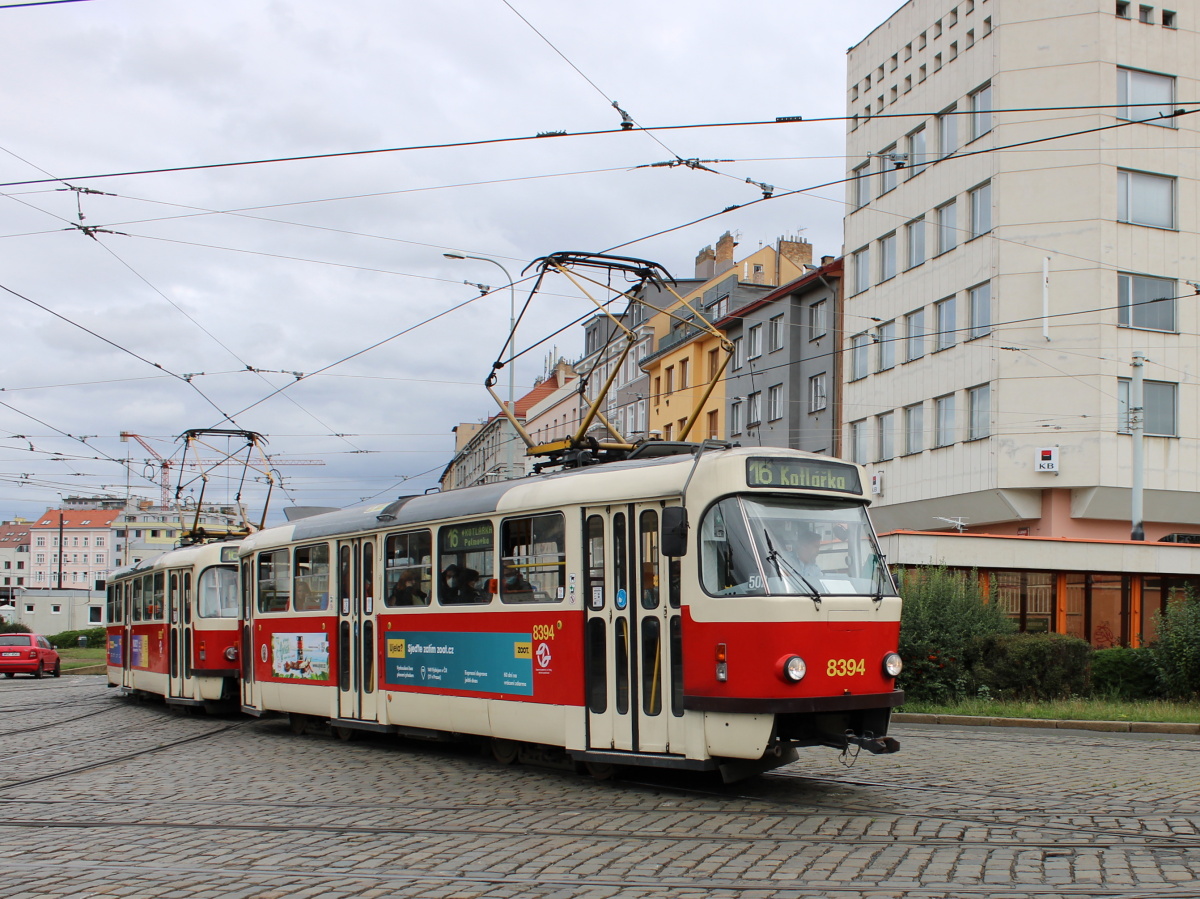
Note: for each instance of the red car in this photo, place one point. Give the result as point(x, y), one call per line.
point(28, 654)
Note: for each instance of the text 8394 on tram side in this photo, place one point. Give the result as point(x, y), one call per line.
point(715, 609)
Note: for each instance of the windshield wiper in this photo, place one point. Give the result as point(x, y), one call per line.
point(774, 558)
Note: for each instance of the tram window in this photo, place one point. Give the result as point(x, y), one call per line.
point(135, 599)
point(597, 666)
point(368, 577)
point(593, 587)
point(408, 569)
point(173, 595)
point(247, 587)
point(311, 589)
point(218, 593)
point(368, 656)
point(621, 664)
point(674, 582)
point(187, 597)
point(274, 581)
point(158, 596)
point(676, 637)
point(651, 666)
point(465, 553)
point(648, 556)
point(620, 558)
point(532, 559)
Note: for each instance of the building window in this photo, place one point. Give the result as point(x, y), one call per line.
point(735, 418)
point(1145, 302)
point(887, 256)
point(56, 610)
point(885, 339)
point(862, 184)
point(947, 226)
point(947, 132)
point(887, 170)
point(943, 407)
point(775, 333)
point(885, 431)
point(1168, 18)
point(1146, 14)
point(684, 373)
point(775, 402)
point(738, 353)
point(916, 241)
point(914, 335)
point(670, 376)
point(858, 356)
point(858, 441)
point(981, 112)
point(916, 152)
point(981, 310)
point(40, 558)
point(41, 541)
point(816, 393)
point(981, 210)
point(95, 615)
point(944, 337)
point(714, 364)
point(1123, 9)
point(754, 408)
point(979, 409)
point(754, 342)
point(713, 424)
point(862, 270)
point(1146, 97)
point(817, 325)
point(1144, 199)
point(1158, 404)
point(914, 425)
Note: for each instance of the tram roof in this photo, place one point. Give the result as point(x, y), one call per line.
point(628, 480)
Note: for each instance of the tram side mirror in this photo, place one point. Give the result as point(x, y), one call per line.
point(674, 531)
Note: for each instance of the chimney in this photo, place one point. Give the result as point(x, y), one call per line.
point(725, 248)
point(797, 252)
point(825, 260)
point(706, 263)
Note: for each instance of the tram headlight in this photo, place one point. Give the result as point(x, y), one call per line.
point(892, 664)
point(231, 653)
point(794, 669)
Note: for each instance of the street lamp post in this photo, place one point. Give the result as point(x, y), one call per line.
point(512, 342)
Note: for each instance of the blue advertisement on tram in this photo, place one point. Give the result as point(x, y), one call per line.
point(486, 663)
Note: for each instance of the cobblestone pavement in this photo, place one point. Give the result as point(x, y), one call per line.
point(104, 797)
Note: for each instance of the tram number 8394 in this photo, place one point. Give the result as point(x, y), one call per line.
point(845, 667)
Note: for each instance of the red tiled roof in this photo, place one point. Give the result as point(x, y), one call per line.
point(76, 518)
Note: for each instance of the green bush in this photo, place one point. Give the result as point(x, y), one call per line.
point(944, 615)
point(96, 636)
point(1177, 649)
point(1032, 666)
point(15, 628)
point(1124, 673)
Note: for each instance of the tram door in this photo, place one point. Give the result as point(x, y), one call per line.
point(357, 652)
point(179, 624)
point(126, 601)
point(246, 654)
point(629, 650)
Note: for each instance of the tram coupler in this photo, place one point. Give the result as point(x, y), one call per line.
point(873, 744)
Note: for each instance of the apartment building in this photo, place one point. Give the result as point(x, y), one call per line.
point(1022, 221)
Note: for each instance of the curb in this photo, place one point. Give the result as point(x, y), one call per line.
point(1116, 727)
point(86, 669)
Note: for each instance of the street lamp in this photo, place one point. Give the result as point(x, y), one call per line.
point(512, 334)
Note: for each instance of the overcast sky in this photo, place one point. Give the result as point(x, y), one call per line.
point(151, 322)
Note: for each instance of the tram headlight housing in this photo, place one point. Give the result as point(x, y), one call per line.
point(893, 664)
point(793, 669)
point(231, 653)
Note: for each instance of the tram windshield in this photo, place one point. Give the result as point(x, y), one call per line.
point(783, 546)
point(218, 593)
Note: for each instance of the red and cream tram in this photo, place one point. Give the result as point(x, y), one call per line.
point(173, 625)
point(714, 609)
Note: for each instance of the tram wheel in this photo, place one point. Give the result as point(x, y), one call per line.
point(10, 674)
point(601, 770)
point(298, 723)
point(505, 751)
point(346, 733)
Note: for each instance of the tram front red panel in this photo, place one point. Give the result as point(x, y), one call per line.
point(534, 656)
point(209, 648)
point(842, 657)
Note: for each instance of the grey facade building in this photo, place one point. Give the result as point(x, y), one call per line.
point(782, 387)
